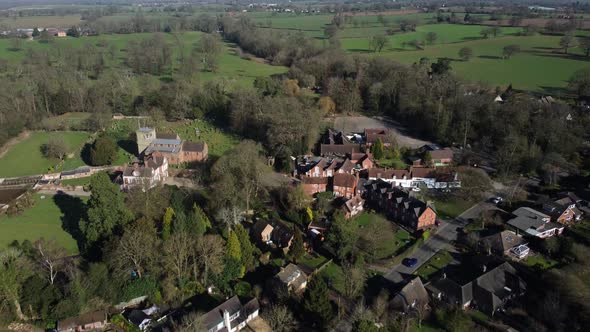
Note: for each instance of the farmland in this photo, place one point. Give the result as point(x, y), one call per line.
point(541, 65)
point(25, 158)
point(65, 21)
point(232, 67)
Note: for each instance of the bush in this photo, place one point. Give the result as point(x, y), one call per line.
point(243, 289)
point(146, 286)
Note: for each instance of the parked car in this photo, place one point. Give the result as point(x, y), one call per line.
point(497, 200)
point(416, 189)
point(410, 262)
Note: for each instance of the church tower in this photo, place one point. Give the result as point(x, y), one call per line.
point(144, 137)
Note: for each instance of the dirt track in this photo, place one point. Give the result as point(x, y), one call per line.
point(348, 124)
point(13, 141)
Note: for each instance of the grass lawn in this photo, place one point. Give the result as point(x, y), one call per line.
point(218, 140)
point(390, 238)
point(42, 220)
point(25, 158)
point(434, 264)
point(76, 182)
point(334, 276)
point(313, 260)
point(581, 229)
point(450, 206)
point(539, 261)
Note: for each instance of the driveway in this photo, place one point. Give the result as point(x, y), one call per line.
point(356, 124)
point(79, 193)
point(448, 231)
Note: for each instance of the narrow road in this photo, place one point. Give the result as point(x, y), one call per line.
point(79, 193)
point(448, 231)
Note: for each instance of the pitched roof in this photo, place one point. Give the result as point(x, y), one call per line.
point(87, 318)
point(314, 180)
point(374, 134)
point(166, 135)
point(344, 180)
point(292, 275)
point(339, 149)
point(346, 166)
point(445, 153)
point(413, 293)
point(385, 173)
point(138, 171)
point(356, 200)
point(502, 241)
point(423, 172)
point(193, 146)
point(215, 316)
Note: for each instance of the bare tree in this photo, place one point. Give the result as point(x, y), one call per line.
point(51, 257)
point(280, 318)
point(138, 247)
point(354, 281)
point(209, 253)
point(178, 250)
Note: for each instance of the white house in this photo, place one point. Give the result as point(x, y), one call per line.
point(154, 170)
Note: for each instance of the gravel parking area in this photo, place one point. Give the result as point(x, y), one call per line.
point(348, 124)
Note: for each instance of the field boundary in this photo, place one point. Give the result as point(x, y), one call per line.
point(14, 141)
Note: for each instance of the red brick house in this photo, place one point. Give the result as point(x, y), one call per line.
point(314, 185)
point(344, 185)
point(372, 135)
point(563, 210)
point(399, 205)
point(352, 207)
point(442, 157)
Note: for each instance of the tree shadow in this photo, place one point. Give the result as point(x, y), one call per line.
point(555, 91)
point(471, 38)
point(73, 210)
point(85, 153)
point(489, 57)
point(128, 145)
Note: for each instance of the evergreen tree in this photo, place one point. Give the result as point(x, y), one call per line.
point(296, 251)
point(248, 250)
point(36, 33)
point(167, 223)
point(198, 221)
point(317, 303)
point(233, 268)
point(377, 149)
point(106, 209)
point(103, 151)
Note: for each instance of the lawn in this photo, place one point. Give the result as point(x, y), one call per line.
point(450, 206)
point(313, 260)
point(76, 182)
point(434, 264)
point(334, 276)
point(539, 261)
point(42, 220)
point(25, 158)
point(390, 238)
point(218, 140)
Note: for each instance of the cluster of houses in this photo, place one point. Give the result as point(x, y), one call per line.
point(230, 316)
point(28, 32)
point(157, 151)
point(346, 168)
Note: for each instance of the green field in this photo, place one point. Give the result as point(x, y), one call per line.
point(42, 220)
point(25, 158)
point(540, 66)
point(232, 68)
